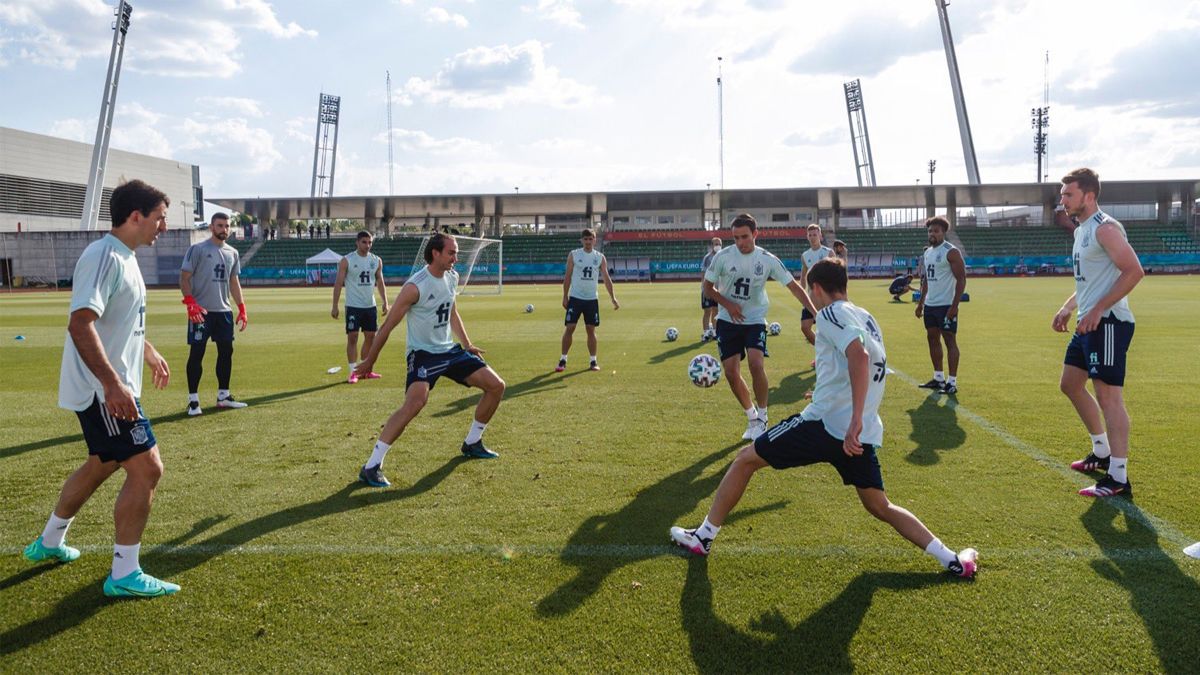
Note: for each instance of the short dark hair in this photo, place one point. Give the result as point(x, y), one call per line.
point(437, 242)
point(839, 242)
point(829, 274)
point(133, 196)
point(940, 222)
point(587, 232)
point(1086, 179)
point(218, 216)
point(362, 234)
point(744, 220)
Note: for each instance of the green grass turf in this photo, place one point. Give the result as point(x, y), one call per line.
point(555, 557)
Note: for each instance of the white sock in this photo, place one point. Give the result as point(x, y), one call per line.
point(125, 560)
point(593, 358)
point(564, 358)
point(939, 376)
point(1100, 445)
point(1118, 469)
point(378, 453)
point(751, 413)
point(953, 379)
point(938, 550)
point(762, 414)
point(352, 366)
point(194, 397)
point(707, 530)
point(56, 531)
point(476, 432)
point(222, 394)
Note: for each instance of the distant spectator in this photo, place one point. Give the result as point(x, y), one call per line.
point(310, 232)
point(327, 230)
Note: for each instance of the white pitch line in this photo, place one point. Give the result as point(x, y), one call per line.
point(1164, 528)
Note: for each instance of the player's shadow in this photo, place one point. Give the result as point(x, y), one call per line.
point(935, 428)
point(818, 644)
point(15, 450)
point(87, 600)
point(790, 391)
point(1166, 599)
point(534, 385)
point(633, 531)
point(677, 351)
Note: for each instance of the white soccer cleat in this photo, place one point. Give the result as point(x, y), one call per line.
point(965, 564)
point(230, 402)
point(1193, 550)
point(754, 429)
point(193, 409)
point(688, 539)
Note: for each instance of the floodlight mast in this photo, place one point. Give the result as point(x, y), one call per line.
point(95, 185)
point(960, 105)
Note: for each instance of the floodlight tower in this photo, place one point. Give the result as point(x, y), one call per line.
point(860, 140)
point(391, 183)
point(108, 101)
point(324, 154)
point(960, 105)
point(720, 124)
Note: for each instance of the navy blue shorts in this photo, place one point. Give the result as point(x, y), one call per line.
point(797, 442)
point(1102, 352)
point(362, 318)
point(898, 288)
point(733, 339)
point(217, 325)
point(111, 439)
point(705, 301)
point(806, 315)
point(456, 364)
point(588, 309)
point(935, 317)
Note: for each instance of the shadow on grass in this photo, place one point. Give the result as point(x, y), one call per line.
point(790, 391)
point(534, 385)
point(818, 644)
point(677, 351)
point(648, 517)
point(88, 600)
point(935, 428)
point(1166, 599)
point(15, 450)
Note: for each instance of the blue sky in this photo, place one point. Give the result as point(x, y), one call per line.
point(566, 95)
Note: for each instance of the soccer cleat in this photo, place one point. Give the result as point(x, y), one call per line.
point(373, 375)
point(37, 552)
point(689, 540)
point(193, 409)
point(594, 366)
point(965, 563)
point(230, 402)
point(1193, 550)
point(754, 429)
point(1091, 463)
point(1108, 487)
point(373, 476)
point(562, 365)
point(934, 384)
point(353, 379)
point(477, 451)
point(950, 389)
point(138, 584)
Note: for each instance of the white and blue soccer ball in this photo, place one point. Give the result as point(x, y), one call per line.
point(774, 328)
point(704, 370)
point(672, 334)
point(528, 309)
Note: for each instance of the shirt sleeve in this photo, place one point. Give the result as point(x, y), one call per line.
point(780, 272)
point(712, 273)
point(838, 327)
point(236, 270)
point(189, 266)
point(96, 275)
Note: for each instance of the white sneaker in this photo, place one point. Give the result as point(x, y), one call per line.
point(689, 540)
point(1193, 550)
point(754, 429)
point(230, 402)
point(193, 409)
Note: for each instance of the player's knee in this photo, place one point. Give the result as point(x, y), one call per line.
point(497, 386)
point(877, 505)
point(748, 459)
point(1109, 397)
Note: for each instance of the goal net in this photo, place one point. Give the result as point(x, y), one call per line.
point(480, 264)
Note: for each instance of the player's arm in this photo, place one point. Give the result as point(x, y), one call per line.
point(1064, 314)
point(802, 295)
point(158, 366)
point(804, 279)
point(235, 289)
point(608, 282)
point(118, 398)
point(460, 331)
point(194, 310)
point(409, 295)
point(343, 264)
point(734, 309)
point(379, 286)
point(959, 269)
point(567, 279)
point(1126, 260)
point(858, 361)
point(924, 291)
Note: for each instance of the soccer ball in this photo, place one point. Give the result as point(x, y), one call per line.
point(774, 328)
point(672, 334)
point(528, 309)
point(704, 370)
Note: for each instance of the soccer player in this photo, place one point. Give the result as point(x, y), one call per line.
point(737, 280)
point(211, 273)
point(840, 427)
point(708, 306)
point(362, 273)
point(580, 299)
point(815, 253)
point(943, 280)
point(900, 285)
point(427, 299)
point(101, 380)
point(1106, 270)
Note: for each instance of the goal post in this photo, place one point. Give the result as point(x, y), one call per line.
point(480, 264)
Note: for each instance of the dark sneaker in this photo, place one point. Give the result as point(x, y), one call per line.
point(950, 389)
point(689, 540)
point(1108, 487)
point(373, 476)
point(935, 385)
point(193, 409)
point(562, 365)
point(477, 451)
point(1091, 463)
point(965, 563)
point(594, 366)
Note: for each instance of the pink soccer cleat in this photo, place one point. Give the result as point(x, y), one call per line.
point(965, 564)
point(353, 379)
point(689, 540)
point(373, 375)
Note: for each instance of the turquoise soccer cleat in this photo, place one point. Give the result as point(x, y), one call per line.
point(37, 552)
point(138, 584)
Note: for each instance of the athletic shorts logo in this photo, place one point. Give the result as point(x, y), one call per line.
point(1093, 359)
point(421, 372)
point(139, 435)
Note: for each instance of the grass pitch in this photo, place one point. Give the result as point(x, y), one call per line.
point(555, 557)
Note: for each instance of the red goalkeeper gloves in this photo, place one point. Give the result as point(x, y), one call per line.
point(195, 311)
point(241, 320)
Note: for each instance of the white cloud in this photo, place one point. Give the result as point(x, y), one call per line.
point(440, 15)
point(561, 12)
point(235, 105)
point(70, 129)
point(494, 77)
point(232, 142)
point(410, 140)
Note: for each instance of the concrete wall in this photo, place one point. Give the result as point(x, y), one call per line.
point(49, 257)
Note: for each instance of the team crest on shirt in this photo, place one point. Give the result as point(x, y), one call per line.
point(1085, 239)
point(758, 269)
point(139, 435)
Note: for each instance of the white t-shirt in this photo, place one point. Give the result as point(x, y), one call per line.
point(939, 276)
point(838, 325)
point(1095, 272)
point(811, 257)
point(428, 319)
point(360, 279)
point(585, 272)
point(107, 281)
point(742, 277)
